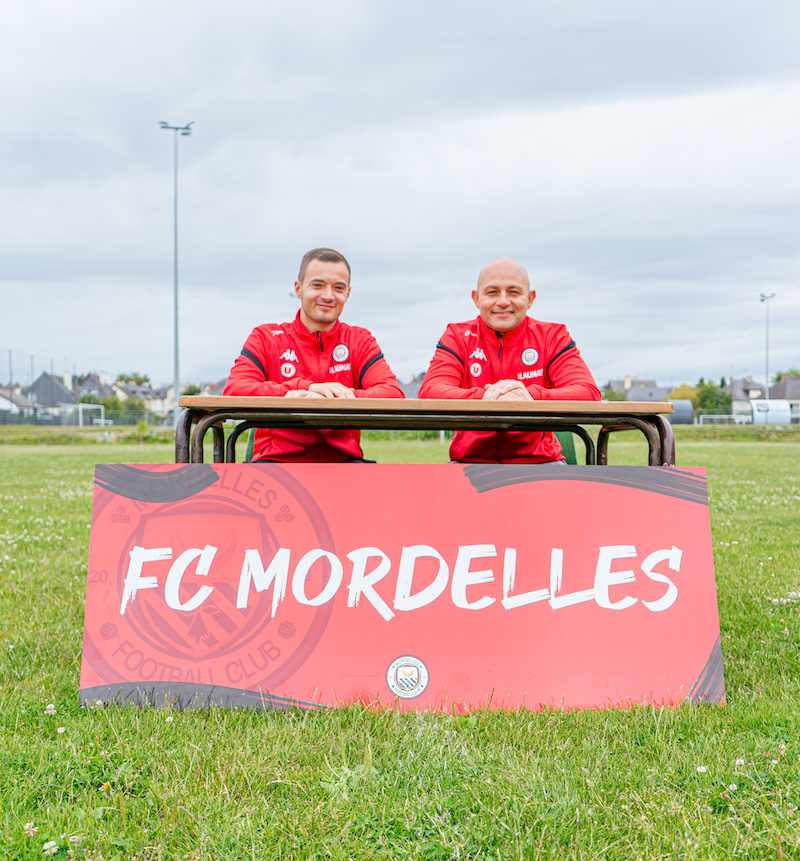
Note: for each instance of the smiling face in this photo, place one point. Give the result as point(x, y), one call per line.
point(322, 293)
point(503, 295)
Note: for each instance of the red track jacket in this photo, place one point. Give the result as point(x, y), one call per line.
point(278, 357)
point(470, 356)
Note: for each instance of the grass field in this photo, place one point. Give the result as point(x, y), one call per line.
point(116, 782)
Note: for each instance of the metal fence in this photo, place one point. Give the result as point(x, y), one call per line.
point(70, 418)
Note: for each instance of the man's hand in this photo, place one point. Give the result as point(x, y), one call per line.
point(507, 390)
point(331, 390)
point(301, 393)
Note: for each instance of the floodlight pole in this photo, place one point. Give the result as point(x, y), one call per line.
point(184, 130)
point(765, 297)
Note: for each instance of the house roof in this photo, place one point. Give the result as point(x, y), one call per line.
point(787, 388)
point(18, 399)
point(50, 391)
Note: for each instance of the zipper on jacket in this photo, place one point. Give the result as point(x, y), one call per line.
point(319, 376)
point(500, 359)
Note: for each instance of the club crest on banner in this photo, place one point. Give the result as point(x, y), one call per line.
point(407, 677)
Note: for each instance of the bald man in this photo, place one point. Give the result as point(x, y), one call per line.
point(505, 355)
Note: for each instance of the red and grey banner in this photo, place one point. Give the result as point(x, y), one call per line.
point(424, 587)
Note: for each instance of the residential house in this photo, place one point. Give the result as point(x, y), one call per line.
point(96, 385)
point(50, 392)
point(743, 391)
point(788, 389)
point(12, 402)
point(639, 390)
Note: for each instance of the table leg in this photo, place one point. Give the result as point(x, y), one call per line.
point(183, 435)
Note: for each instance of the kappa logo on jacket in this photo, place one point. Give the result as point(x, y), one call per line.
point(478, 353)
point(288, 355)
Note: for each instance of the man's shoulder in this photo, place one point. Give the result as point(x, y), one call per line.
point(352, 334)
point(462, 331)
point(544, 326)
point(272, 330)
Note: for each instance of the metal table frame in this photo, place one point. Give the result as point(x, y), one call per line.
point(203, 413)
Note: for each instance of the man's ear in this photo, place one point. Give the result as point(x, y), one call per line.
point(531, 298)
point(475, 298)
point(297, 289)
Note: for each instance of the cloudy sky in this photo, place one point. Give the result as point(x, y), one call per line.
point(641, 159)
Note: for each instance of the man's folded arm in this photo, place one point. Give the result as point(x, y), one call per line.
point(571, 378)
point(444, 376)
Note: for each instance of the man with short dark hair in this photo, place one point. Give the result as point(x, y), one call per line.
point(313, 356)
point(505, 355)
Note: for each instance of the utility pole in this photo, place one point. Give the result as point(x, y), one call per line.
point(184, 130)
point(765, 297)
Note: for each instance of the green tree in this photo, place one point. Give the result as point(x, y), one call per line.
point(711, 396)
point(191, 389)
point(115, 407)
point(792, 372)
point(685, 393)
point(610, 394)
point(137, 378)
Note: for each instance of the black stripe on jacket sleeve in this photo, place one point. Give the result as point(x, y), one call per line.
point(441, 346)
point(560, 352)
point(254, 359)
point(366, 368)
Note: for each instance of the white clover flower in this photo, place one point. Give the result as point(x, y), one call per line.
point(61, 730)
point(170, 718)
point(739, 762)
point(702, 769)
point(50, 848)
point(30, 829)
point(733, 787)
point(50, 709)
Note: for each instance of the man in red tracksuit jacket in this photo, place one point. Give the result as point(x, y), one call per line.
point(313, 356)
point(506, 355)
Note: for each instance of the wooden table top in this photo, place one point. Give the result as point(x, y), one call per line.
point(429, 406)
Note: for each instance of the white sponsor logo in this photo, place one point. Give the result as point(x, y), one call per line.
point(530, 356)
point(288, 369)
point(407, 677)
point(530, 375)
point(276, 331)
point(468, 333)
point(336, 369)
point(340, 353)
point(478, 353)
point(476, 369)
point(288, 355)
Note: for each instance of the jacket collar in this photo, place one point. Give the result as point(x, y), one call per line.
point(300, 331)
point(508, 338)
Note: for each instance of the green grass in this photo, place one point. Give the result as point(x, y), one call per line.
point(154, 784)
